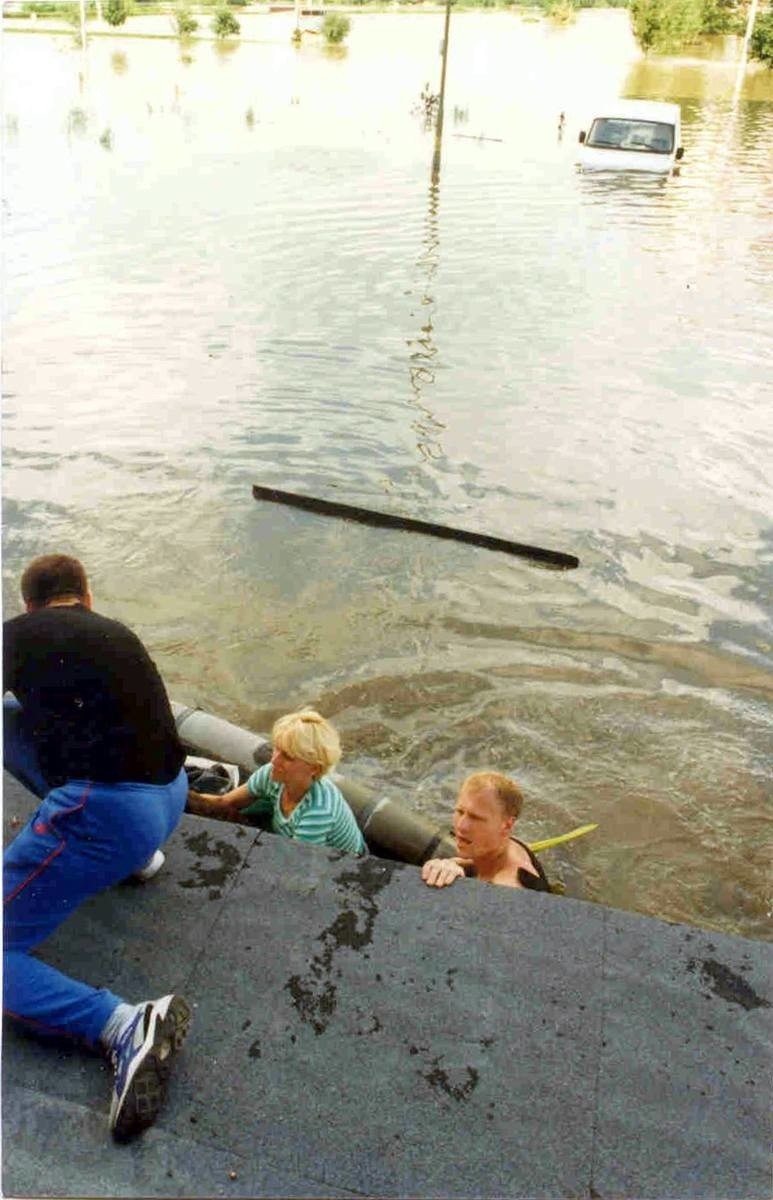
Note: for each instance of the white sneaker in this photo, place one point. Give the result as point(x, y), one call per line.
point(141, 1057)
point(151, 868)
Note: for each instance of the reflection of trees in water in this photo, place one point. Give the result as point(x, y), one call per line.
point(335, 50)
point(224, 48)
point(755, 126)
point(423, 351)
point(119, 62)
point(77, 121)
point(707, 78)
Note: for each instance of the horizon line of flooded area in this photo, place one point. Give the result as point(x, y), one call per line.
point(228, 265)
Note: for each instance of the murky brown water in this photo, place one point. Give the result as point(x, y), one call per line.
point(230, 266)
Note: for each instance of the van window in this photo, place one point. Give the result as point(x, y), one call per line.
point(620, 133)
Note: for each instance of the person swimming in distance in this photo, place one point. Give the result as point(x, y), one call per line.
point(487, 808)
point(291, 790)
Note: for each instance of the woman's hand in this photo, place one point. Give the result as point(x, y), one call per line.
point(204, 804)
point(440, 872)
point(227, 806)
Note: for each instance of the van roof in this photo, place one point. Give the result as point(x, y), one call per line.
point(650, 110)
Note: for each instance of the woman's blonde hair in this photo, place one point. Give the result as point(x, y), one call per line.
point(308, 736)
point(506, 790)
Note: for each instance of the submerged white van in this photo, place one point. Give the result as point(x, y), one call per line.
point(632, 135)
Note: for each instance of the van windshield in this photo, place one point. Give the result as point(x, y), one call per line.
point(623, 133)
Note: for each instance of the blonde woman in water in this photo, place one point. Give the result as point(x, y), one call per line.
point(292, 789)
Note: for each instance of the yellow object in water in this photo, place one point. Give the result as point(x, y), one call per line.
point(535, 847)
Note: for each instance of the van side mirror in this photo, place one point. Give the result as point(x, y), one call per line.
point(582, 136)
point(680, 153)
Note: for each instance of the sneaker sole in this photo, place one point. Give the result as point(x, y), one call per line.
point(145, 1090)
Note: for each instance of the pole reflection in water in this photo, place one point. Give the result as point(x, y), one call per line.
point(423, 351)
point(423, 359)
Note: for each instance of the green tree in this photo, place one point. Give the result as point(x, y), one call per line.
point(666, 24)
point(116, 12)
point(335, 28)
point(184, 21)
point(561, 11)
point(225, 24)
point(761, 45)
point(719, 16)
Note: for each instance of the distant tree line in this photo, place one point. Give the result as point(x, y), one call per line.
point(673, 24)
point(664, 26)
point(762, 39)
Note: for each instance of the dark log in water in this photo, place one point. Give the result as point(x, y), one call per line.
point(366, 516)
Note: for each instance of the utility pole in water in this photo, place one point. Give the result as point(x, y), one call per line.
point(441, 105)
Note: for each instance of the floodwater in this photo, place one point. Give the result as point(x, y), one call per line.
point(227, 265)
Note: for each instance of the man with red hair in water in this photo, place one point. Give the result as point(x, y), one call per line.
point(486, 810)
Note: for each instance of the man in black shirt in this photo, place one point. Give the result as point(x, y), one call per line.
point(89, 729)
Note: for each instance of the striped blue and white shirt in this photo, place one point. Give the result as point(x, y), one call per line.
point(322, 816)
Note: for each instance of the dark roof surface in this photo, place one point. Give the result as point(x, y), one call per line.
point(359, 1034)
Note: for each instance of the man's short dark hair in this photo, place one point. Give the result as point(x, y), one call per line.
point(53, 575)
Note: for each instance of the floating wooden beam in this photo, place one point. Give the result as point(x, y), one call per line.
point(366, 516)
